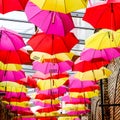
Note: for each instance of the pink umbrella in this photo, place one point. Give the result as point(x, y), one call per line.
point(107, 54)
point(11, 75)
point(25, 118)
point(49, 67)
point(50, 22)
point(70, 100)
point(10, 40)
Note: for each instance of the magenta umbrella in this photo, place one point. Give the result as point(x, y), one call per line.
point(11, 75)
point(70, 100)
point(49, 67)
point(48, 21)
point(107, 54)
point(10, 40)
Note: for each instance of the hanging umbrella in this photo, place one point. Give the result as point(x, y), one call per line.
point(67, 118)
point(10, 40)
point(71, 100)
point(11, 75)
point(93, 74)
point(61, 6)
point(49, 84)
point(55, 44)
point(49, 67)
point(12, 5)
point(103, 39)
point(48, 21)
point(10, 67)
point(83, 66)
point(45, 57)
point(76, 85)
point(47, 118)
point(17, 57)
point(25, 118)
point(106, 54)
point(104, 14)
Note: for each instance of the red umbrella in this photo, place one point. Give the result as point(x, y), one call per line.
point(104, 15)
point(17, 57)
point(48, 21)
point(52, 44)
point(12, 5)
point(82, 65)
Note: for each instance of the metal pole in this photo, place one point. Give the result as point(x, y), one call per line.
point(102, 99)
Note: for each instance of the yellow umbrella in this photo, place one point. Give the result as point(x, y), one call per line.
point(67, 118)
point(12, 87)
point(54, 113)
point(89, 94)
point(93, 74)
point(49, 84)
point(63, 6)
point(11, 67)
point(42, 57)
point(103, 39)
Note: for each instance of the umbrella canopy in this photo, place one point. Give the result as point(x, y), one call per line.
point(61, 6)
point(55, 44)
point(96, 15)
point(83, 66)
point(10, 40)
point(12, 5)
point(93, 74)
point(11, 75)
point(103, 39)
point(68, 118)
point(49, 67)
point(17, 57)
point(45, 57)
point(106, 54)
point(48, 21)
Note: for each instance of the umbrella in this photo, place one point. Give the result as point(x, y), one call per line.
point(25, 118)
point(83, 66)
point(48, 21)
point(45, 57)
point(55, 44)
point(10, 40)
point(96, 15)
point(93, 74)
point(103, 39)
point(51, 113)
point(49, 84)
point(17, 57)
point(11, 75)
point(106, 54)
point(12, 5)
point(71, 100)
point(67, 118)
point(61, 6)
point(49, 67)
point(10, 67)
point(47, 118)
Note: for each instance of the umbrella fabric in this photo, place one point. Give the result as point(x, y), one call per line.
point(71, 100)
point(103, 39)
point(25, 118)
point(106, 54)
point(17, 57)
point(61, 6)
point(93, 74)
point(45, 57)
point(83, 66)
point(96, 15)
point(67, 118)
point(78, 112)
point(47, 118)
point(77, 85)
point(11, 75)
point(48, 21)
point(12, 5)
point(49, 67)
point(55, 44)
point(49, 84)
point(12, 87)
point(10, 40)
point(10, 67)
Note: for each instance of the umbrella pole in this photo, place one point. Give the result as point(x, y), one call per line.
point(102, 100)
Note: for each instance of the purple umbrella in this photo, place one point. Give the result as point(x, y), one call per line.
point(50, 22)
point(10, 40)
point(107, 54)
